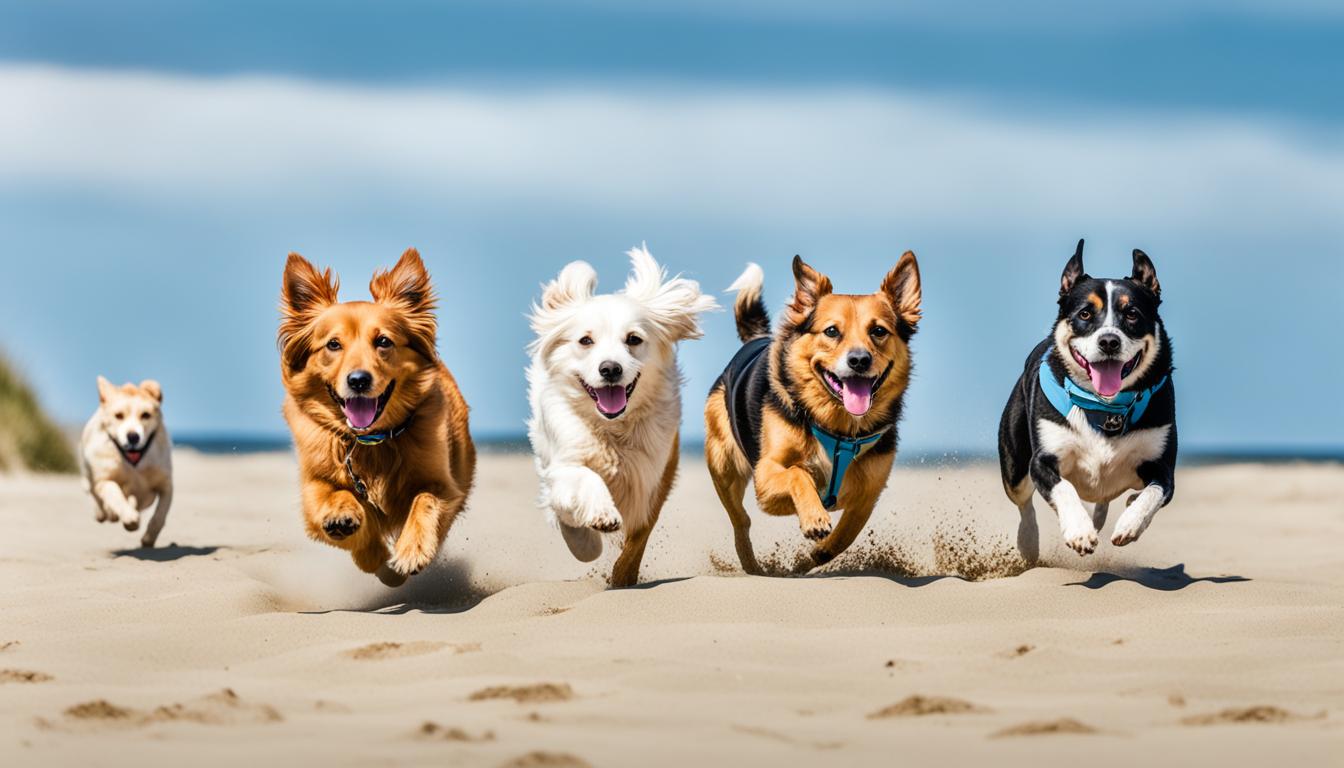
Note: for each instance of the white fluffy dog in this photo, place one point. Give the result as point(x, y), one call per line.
point(605, 392)
point(127, 457)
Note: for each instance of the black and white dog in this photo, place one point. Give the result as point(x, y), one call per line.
point(1094, 413)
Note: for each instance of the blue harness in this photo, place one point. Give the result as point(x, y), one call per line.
point(1112, 416)
point(843, 451)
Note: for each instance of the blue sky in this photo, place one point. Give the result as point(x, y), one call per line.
point(157, 161)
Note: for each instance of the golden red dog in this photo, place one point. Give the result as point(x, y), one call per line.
point(385, 453)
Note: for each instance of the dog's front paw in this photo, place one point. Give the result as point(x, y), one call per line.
point(410, 560)
point(131, 521)
point(606, 520)
point(1081, 539)
point(1136, 517)
point(815, 526)
point(338, 528)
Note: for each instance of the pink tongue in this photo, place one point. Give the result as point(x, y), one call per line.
point(361, 411)
point(857, 394)
point(610, 399)
point(1106, 377)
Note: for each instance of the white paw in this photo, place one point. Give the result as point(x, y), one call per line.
point(130, 520)
point(1081, 537)
point(585, 502)
point(1136, 517)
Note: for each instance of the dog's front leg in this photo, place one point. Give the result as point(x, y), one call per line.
point(1144, 504)
point(165, 501)
point(334, 516)
point(579, 498)
point(782, 490)
point(116, 506)
point(431, 515)
point(1075, 522)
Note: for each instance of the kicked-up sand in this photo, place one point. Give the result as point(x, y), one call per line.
point(1217, 639)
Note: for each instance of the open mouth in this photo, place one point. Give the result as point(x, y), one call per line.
point(362, 412)
point(854, 392)
point(611, 401)
point(1106, 375)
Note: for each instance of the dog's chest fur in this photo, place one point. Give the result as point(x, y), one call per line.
point(1101, 468)
point(631, 462)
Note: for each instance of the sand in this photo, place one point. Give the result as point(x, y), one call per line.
point(1218, 639)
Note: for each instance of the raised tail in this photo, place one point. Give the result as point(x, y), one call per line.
point(753, 321)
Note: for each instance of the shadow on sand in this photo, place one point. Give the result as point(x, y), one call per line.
point(164, 554)
point(1162, 579)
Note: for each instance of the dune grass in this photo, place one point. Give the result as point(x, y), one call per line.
point(28, 438)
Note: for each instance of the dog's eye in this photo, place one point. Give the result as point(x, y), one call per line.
point(633, 341)
point(878, 332)
point(334, 345)
point(832, 332)
point(1084, 314)
point(144, 416)
point(120, 415)
point(382, 342)
point(1132, 314)
point(586, 341)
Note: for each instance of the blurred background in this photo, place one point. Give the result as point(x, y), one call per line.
point(158, 160)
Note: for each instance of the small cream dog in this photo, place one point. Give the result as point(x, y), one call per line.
point(127, 457)
point(605, 392)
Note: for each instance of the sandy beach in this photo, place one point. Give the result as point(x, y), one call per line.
point(1217, 639)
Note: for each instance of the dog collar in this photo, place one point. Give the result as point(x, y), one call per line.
point(843, 450)
point(139, 452)
point(1112, 417)
point(371, 438)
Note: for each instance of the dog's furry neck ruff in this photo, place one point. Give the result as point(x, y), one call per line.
point(371, 439)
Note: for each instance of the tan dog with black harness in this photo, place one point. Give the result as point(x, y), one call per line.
point(810, 415)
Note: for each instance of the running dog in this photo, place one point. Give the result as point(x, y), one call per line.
point(605, 391)
point(810, 415)
point(1094, 412)
point(126, 457)
point(381, 430)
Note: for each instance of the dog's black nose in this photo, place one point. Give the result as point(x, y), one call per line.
point(860, 360)
point(610, 370)
point(1109, 343)
point(133, 438)
point(359, 381)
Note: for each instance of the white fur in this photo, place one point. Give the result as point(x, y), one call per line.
point(1097, 468)
point(598, 474)
point(121, 491)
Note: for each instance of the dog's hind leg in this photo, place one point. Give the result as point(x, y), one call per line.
point(729, 471)
point(1099, 511)
point(160, 517)
point(625, 573)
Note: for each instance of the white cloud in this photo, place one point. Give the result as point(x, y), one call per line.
point(826, 154)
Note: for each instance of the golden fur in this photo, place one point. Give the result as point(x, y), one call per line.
point(418, 481)
point(792, 464)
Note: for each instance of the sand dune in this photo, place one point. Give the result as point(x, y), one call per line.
point(1219, 637)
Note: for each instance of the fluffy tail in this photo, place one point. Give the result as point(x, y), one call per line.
point(753, 321)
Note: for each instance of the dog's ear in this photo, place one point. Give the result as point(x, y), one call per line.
point(303, 295)
point(576, 283)
point(1145, 273)
point(901, 286)
point(151, 387)
point(406, 288)
point(305, 289)
point(105, 390)
point(1073, 271)
point(673, 305)
point(810, 287)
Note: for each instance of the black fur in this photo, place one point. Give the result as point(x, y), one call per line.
point(1135, 314)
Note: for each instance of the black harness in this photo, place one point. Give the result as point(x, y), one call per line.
point(746, 384)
